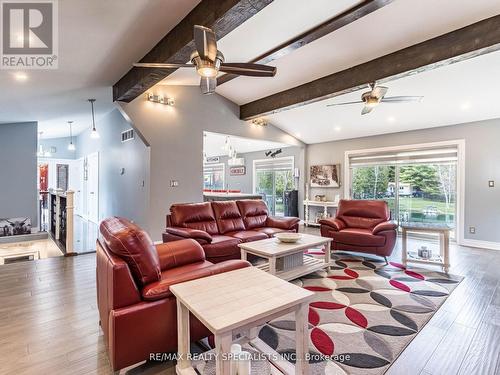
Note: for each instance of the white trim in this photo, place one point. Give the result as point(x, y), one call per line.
point(459, 143)
point(481, 244)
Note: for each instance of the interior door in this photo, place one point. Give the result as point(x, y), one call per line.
point(77, 185)
point(93, 187)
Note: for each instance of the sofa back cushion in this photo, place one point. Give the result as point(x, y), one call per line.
point(228, 216)
point(254, 213)
point(365, 214)
point(130, 243)
point(195, 216)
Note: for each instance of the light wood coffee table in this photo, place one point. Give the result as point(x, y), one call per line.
point(272, 249)
point(235, 303)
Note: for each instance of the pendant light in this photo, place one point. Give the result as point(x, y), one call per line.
point(93, 134)
point(71, 146)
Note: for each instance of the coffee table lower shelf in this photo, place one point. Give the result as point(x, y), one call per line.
point(310, 265)
point(278, 366)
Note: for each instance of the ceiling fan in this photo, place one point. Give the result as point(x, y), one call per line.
point(376, 95)
point(208, 61)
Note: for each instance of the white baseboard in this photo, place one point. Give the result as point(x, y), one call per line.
point(482, 244)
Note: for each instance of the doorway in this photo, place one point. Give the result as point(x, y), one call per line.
point(272, 177)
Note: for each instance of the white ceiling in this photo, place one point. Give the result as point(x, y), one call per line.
point(213, 144)
point(98, 42)
point(458, 93)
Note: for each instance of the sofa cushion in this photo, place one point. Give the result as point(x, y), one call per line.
point(129, 242)
point(270, 232)
point(222, 246)
point(248, 235)
point(358, 237)
point(254, 213)
point(363, 213)
point(228, 216)
point(194, 215)
point(161, 289)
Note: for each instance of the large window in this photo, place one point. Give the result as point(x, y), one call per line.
point(213, 176)
point(271, 178)
point(418, 185)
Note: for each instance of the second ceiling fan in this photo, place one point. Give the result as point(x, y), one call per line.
point(208, 61)
point(375, 96)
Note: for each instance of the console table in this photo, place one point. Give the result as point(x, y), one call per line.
point(443, 231)
point(237, 302)
point(312, 203)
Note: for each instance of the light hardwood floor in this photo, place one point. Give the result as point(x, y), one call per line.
point(49, 321)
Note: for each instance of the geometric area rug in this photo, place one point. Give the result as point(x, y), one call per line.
point(363, 315)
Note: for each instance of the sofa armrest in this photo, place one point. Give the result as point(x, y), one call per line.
point(335, 223)
point(386, 225)
point(189, 233)
point(161, 289)
point(179, 253)
point(282, 222)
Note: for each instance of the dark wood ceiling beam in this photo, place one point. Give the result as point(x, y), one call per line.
point(327, 27)
point(223, 16)
point(470, 41)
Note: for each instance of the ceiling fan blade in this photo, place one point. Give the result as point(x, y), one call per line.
point(208, 85)
point(163, 66)
point(367, 109)
point(379, 91)
point(402, 99)
point(248, 69)
point(206, 43)
point(334, 104)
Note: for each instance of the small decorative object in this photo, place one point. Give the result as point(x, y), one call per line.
point(325, 175)
point(15, 226)
point(237, 171)
point(424, 252)
point(288, 237)
point(320, 198)
point(212, 159)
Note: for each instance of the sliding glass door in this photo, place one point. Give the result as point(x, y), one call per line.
point(420, 187)
point(272, 177)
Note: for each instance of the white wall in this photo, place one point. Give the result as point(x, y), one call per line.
point(482, 163)
point(175, 135)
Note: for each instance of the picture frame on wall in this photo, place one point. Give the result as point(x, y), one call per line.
point(15, 226)
point(237, 171)
point(325, 176)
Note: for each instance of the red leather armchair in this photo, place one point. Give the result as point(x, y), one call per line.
point(138, 313)
point(362, 226)
point(220, 226)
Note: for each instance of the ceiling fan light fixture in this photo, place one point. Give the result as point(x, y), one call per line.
point(207, 71)
point(371, 101)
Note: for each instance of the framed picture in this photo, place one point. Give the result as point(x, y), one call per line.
point(325, 175)
point(15, 226)
point(237, 171)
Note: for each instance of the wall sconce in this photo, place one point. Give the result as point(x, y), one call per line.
point(160, 99)
point(259, 122)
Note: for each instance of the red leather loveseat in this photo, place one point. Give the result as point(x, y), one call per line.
point(221, 225)
point(138, 313)
point(362, 226)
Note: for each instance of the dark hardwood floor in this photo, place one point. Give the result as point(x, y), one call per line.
point(49, 321)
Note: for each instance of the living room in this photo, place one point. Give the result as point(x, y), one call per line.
point(250, 187)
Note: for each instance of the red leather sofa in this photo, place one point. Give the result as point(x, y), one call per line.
point(138, 313)
point(362, 226)
point(220, 226)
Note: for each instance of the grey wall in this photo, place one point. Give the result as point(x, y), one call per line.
point(176, 138)
point(61, 145)
point(482, 163)
point(18, 187)
point(124, 195)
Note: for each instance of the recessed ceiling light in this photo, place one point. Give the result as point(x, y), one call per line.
point(337, 128)
point(20, 76)
point(465, 106)
point(391, 119)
